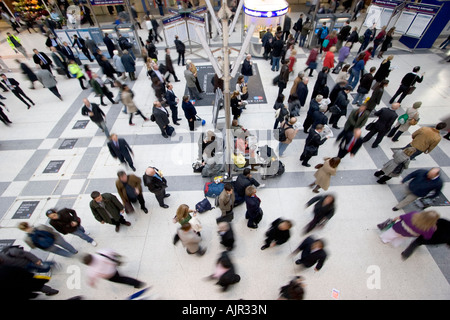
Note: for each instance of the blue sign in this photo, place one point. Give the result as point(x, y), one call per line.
point(106, 2)
point(172, 19)
point(265, 14)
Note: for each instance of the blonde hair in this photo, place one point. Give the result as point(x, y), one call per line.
point(333, 49)
point(250, 190)
point(234, 94)
point(425, 220)
point(182, 212)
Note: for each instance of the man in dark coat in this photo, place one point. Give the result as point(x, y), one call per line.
point(313, 107)
point(82, 46)
point(181, 48)
point(386, 118)
point(351, 142)
point(28, 72)
point(302, 91)
point(226, 235)
point(243, 180)
point(67, 51)
point(156, 184)
point(120, 149)
point(284, 77)
point(42, 60)
point(229, 277)
point(408, 81)
point(189, 112)
point(312, 253)
point(161, 117)
point(342, 102)
point(312, 144)
point(278, 233)
point(319, 117)
point(172, 101)
point(66, 221)
point(287, 25)
point(95, 114)
point(109, 45)
point(129, 64)
point(106, 208)
point(277, 49)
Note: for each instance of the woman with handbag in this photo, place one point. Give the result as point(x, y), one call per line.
point(311, 62)
point(324, 173)
point(281, 111)
point(127, 99)
point(186, 215)
point(383, 71)
point(377, 93)
point(242, 88)
point(356, 69)
point(412, 120)
point(394, 167)
point(387, 43)
point(411, 225)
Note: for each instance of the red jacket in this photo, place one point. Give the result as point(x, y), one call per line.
point(329, 60)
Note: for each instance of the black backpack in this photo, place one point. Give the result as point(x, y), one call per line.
point(282, 133)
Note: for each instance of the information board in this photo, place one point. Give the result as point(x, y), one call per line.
point(419, 25)
point(25, 210)
point(404, 21)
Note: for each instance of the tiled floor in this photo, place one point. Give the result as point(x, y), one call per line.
point(34, 138)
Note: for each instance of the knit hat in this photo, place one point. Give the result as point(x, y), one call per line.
point(417, 104)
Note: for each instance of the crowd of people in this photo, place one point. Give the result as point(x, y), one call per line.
point(326, 107)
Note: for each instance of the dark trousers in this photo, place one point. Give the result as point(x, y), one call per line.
point(140, 199)
point(55, 91)
point(117, 278)
point(3, 117)
point(305, 157)
point(253, 221)
point(307, 123)
point(126, 158)
point(334, 119)
point(174, 111)
point(18, 92)
point(160, 195)
point(380, 136)
point(191, 123)
point(80, 80)
point(342, 153)
point(173, 74)
point(137, 113)
point(87, 54)
point(395, 133)
point(117, 223)
point(403, 91)
point(47, 67)
point(415, 154)
point(181, 58)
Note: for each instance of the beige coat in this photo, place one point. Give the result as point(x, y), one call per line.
point(290, 133)
point(425, 139)
point(297, 80)
point(412, 114)
point(226, 202)
point(323, 175)
point(127, 100)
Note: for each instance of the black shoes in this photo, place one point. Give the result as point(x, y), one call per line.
point(145, 210)
point(165, 206)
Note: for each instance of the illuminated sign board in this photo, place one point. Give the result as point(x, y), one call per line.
point(265, 14)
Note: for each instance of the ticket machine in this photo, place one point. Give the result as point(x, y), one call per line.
point(317, 23)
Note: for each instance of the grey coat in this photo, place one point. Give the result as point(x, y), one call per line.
point(190, 240)
point(412, 114)
point(46, 78)
point(190, 78)
point(399, 157)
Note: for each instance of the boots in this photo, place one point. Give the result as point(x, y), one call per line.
point(383, 179)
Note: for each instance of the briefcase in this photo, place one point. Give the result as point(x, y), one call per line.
point(60, 71)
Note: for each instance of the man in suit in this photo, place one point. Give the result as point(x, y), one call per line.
point(91, 45)
point(42, 60)
point(86, 13)
point(129, 189)
point(181, 48)
point(312, 144)
point(386, 118)
point(95, 114)
point(82, 46)
point(312, 253)
point(189, 112)
point(343, 35)
point(67, 51)
point(350, 143)
point(13, 85)
point(286, 27)
point(120, 149)
point(408, 81)
point(106, 208)
point(60, 60)
point(161, 117)
point(172, 101)
point(156, 184)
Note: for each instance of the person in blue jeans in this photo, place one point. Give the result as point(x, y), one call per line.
point(45, 238)
point(358, 66)
point(66, 221)
point(277, 49)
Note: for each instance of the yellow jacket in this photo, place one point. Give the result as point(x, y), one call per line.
point(10, 42)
